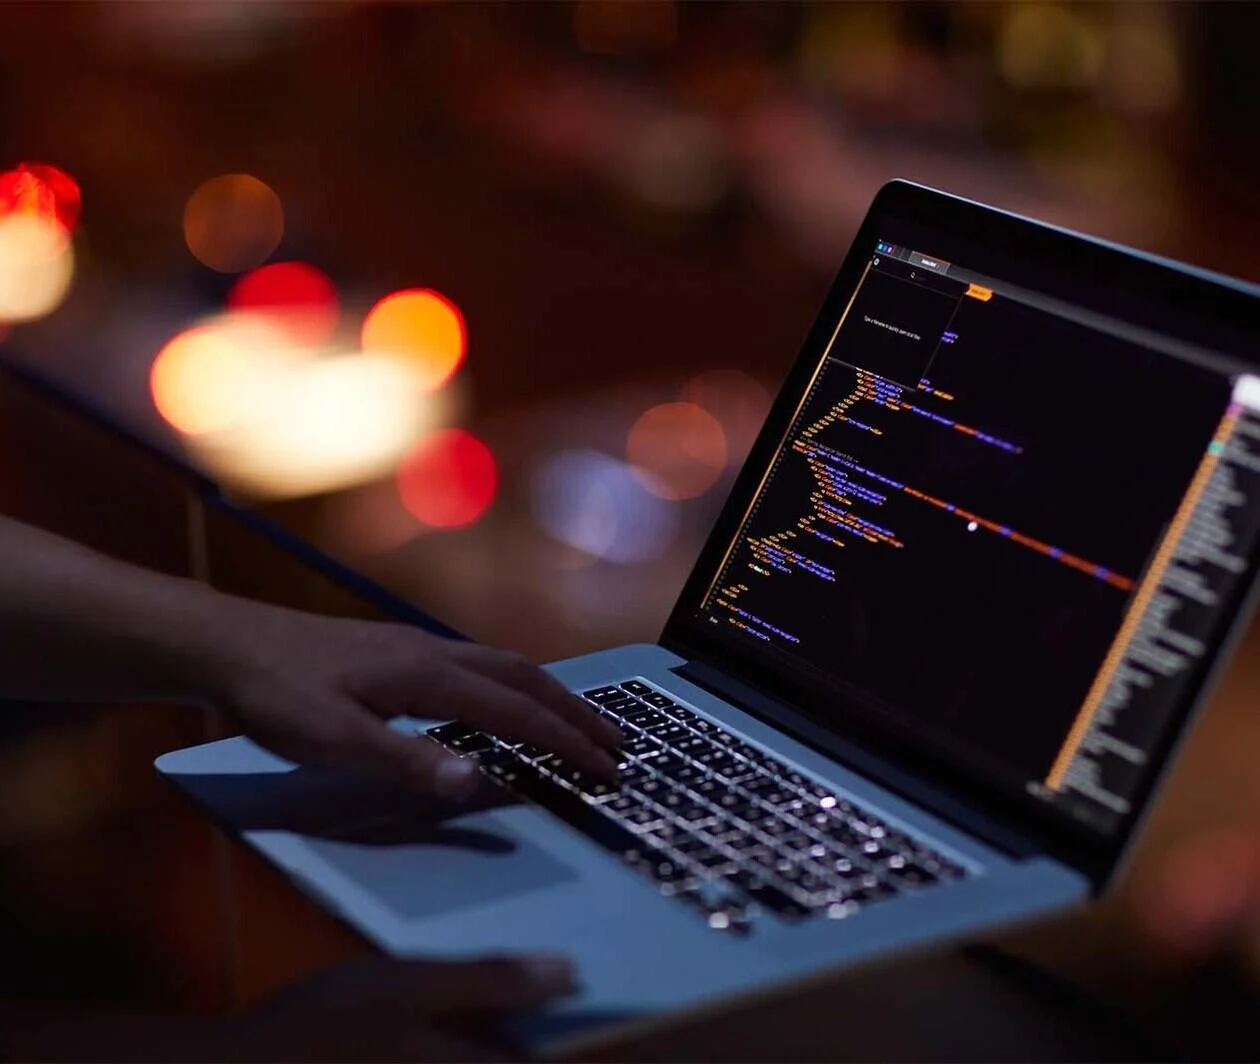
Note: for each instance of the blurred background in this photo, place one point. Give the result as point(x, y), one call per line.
point(488, 300)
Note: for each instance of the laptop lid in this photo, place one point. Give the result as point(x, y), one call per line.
point(1002, 518)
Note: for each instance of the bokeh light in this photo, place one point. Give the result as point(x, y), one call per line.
point(681, 446)
point(421, 327)
point(36, 266)
point(678, 163)
point(295, 297)
point(207, 378)
point(322, 423)
point(740, 402)
point(1047, 46)
point(449, 480)
point(233, 223)
point(599, 504)
point(43, 191)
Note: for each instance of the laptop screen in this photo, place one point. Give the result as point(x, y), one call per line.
point(1002, 520)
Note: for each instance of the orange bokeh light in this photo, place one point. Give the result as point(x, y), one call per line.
point(43, 191)
point(681, 446)
point(737, 400)
point(449, 480)
point(424, 328)
point(296, 298)
point(201, 380)
point(233, 223)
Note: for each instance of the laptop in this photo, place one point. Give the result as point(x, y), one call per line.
point(993, 544)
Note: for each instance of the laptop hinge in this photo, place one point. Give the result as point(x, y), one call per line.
point(935, 800)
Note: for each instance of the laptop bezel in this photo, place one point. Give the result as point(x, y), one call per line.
point(1181, 289)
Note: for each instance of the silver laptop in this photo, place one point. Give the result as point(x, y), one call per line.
point(984, 560)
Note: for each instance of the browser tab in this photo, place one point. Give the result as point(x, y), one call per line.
point(917, 258)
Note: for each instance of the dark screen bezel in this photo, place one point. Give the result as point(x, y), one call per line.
point(1202, 304)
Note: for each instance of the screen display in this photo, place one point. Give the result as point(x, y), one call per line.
point(1004, 521)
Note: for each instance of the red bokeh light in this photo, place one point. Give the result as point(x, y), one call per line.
point(449, 480)
point(296, 296)
point(43, 191)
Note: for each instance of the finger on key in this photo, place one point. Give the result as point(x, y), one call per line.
point(503, 711)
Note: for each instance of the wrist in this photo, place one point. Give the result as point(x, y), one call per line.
point(210, 643)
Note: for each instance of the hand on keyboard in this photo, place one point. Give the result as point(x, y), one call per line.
point(716, 822)
point(317, 690)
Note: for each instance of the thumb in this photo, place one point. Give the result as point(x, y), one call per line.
point(362, 741)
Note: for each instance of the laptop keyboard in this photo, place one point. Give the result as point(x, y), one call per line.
point(715, 822)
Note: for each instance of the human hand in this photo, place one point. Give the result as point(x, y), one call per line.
point(317, 690)
point(379, 1009)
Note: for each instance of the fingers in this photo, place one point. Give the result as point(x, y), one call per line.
point(495, 984)
point(353, 738)
point(516, 672)
point(484, 703)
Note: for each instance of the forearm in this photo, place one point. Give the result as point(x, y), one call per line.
point(76, 624)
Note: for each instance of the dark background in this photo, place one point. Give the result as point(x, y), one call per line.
point(619, 198)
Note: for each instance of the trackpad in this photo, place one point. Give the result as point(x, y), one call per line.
point(418, 856)
point(419, 868)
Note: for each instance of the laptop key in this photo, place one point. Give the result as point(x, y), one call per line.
point(709, 788)
point(603, 694)
point(775, 828)
point(768, 896)
point(757, 815)
point(710, 858)
point(666, 833)
point(684, 772)
point(909, 872)
point(636, 687)
point(687, 844)
point(631, 772)
point(471, 744)
point(641, 717)
point(667, 732)
point(655, 698)
point(696, 815)
point(664, 763)
point(672, 800)
point(796, 841)
point(641, 746)
point(713, 757)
